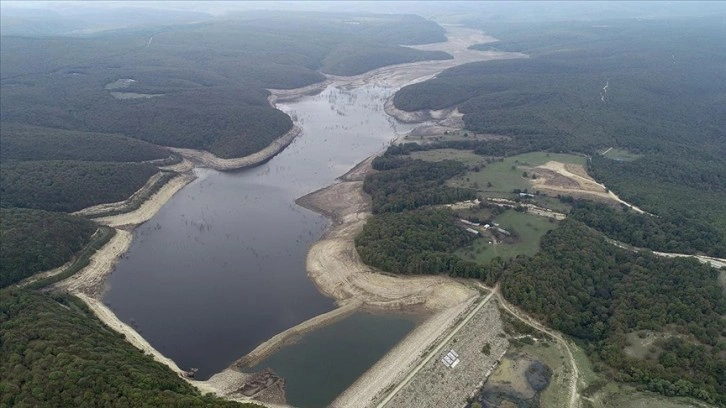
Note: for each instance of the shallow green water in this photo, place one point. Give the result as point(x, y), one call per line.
point(322, 364)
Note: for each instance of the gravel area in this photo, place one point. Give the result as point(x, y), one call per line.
point(438, 386)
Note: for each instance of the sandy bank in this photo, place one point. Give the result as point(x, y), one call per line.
point(121, 205)
point(151, 206)
point(334, 266)
point(459, 40)
point(131, 335)
point(90, 280)
point(206, 159)
point(288, 336)
point(286, 95)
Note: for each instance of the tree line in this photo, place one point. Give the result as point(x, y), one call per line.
point(55, 353)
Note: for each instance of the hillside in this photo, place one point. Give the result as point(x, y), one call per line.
point(35, 241)
point(200, 86)
point(54, 352)
point(637, 87)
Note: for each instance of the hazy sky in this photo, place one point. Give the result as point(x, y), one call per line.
point(78, 17)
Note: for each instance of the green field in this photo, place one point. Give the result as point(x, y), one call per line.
point(621, 155)
point(498, 177)
point(465, 156)
point(450, 135)
point(529, 228)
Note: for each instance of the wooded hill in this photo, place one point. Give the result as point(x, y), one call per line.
point(55, 353)
point(34, 241)
point(596, 292)
point(664, 101)
point(204, 83)
point(22, 143)
point(664, 106)
point(69, 185)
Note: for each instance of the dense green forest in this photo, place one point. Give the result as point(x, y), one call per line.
point(69, 185)
point(22, 142)
point(664, 100)
point(55, 353)
point(655, 233)
point(33, 241)
point(199, 85)
point(596, 292)
point(420, 241)
point(406, 184)
point(641, 87)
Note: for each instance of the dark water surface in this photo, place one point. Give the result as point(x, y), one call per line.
point(327, 361)
point(221, 268)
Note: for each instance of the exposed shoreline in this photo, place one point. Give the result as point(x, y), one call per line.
point(288, 336)
point(332, 262)
point(149, 207)
point(94, 210)
point(203, 158)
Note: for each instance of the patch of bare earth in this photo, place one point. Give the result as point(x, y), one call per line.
point(578, 183)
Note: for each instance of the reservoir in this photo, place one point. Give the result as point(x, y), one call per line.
point(221, 267)
point(330, 359)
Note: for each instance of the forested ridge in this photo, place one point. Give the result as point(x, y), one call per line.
point(664, 101)
point(23, 143)
point(596, 292)
point(201, 85)
point(69, 186)
point(33, 241)
point(655, 233)
point(637, 86)
point(55, 353)
point(407, 184)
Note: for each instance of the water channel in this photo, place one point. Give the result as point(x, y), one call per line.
point(221, 268)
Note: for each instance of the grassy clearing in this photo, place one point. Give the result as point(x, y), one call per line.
point(621, 155)
point(465, 156)
point(451, 135)
point(529, 228)
point(501, 176)
point(640, 344)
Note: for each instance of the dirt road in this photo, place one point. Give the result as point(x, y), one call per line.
point(587, 184)
point(523, 317)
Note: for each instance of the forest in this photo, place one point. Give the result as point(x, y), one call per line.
point(55, 353)
point(209, 93)
point(596, 292)
point(655, 233)
point(69, 186)
point(23, 143)
point(640, 87)
point(663, 101)
point(420, 241)
point(406, 184)
point(36, 240)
